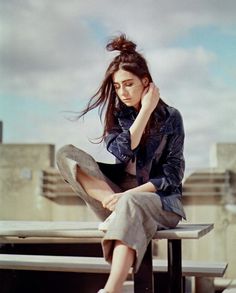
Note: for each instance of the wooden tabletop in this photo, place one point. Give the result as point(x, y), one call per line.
point(77, 232)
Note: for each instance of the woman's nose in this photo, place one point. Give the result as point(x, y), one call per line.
point(123, 91)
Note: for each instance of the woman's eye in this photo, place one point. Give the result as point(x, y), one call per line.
point(129, 84)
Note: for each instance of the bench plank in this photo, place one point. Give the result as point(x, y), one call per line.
point(99, 265)
point(50, 232)
point(90, 230)
point(185, 231)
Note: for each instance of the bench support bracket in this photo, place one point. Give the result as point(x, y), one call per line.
point(175, 266)
point(143, 279)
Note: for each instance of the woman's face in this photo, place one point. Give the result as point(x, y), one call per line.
point(129, 87)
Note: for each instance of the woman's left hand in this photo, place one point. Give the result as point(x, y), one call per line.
point(111, 201)
point(150, 97)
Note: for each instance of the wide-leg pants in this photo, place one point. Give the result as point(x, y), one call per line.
point(138, 214)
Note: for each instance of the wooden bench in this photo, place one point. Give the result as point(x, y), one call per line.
point(98, 265)
point(12, 232)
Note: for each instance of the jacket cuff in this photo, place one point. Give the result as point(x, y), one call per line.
point(159, 183)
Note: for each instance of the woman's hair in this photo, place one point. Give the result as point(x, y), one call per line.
point(106, 98)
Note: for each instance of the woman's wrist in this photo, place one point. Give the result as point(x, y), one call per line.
point(146, 187)
point(146, 109)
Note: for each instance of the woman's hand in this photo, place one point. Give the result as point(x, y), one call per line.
point(111, 201)
point(150, 97)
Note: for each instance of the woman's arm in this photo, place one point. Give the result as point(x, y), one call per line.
point(149, 102)
point(111, 201)
point(146, 187)
point(122, 143)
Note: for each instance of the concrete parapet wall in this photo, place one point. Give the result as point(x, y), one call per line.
point(223, 155)
point(33, 156)
point(21, 198)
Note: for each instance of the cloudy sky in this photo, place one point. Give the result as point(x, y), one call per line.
point(53, 59)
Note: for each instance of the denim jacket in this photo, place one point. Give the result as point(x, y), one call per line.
point(161, 161)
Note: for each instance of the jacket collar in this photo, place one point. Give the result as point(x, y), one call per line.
point(161, 113)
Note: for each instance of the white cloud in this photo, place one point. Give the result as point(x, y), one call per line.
point(44, 40)
point(54, 51)
point(177, 68)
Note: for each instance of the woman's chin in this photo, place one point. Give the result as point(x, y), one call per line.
point(130, 104)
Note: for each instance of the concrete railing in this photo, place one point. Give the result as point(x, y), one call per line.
point(53, 185)
point(208, 182)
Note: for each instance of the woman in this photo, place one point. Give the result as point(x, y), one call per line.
point(142, 192)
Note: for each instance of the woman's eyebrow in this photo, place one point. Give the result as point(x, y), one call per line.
point(130, 79)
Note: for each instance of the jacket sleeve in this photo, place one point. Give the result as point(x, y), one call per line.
point(118, 142)
point(172, 169)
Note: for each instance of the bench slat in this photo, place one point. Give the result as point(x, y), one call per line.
point(99, 265)
point(90, 230)
point(185, 231)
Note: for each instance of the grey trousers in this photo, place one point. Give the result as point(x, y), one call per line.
point(138, 214)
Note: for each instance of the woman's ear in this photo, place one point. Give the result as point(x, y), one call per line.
point(145, 81)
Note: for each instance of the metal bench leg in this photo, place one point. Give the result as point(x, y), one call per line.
point(143, 279)
point(175, 266)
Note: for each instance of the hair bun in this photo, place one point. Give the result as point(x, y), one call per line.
point(121, 44)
